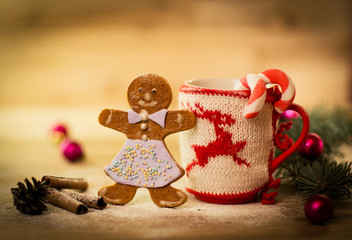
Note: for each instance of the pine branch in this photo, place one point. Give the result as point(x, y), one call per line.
point(331, 179)
point(322, 175)
point(334, 127)
point(290, 171)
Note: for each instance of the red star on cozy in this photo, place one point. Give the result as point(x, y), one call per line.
point(222, 145)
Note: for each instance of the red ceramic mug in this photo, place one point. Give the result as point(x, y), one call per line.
point(229, 158)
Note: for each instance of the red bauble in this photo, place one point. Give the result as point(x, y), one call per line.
point(289, 114)
point(58, 133)
point(312, 147)
point(60, 128)
point(71, 150)
point(319, 209)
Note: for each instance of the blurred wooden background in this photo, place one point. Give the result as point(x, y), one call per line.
point(66, 60)
point(84, 53)
point(79, 55)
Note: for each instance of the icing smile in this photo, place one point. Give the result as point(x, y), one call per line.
point(147, 104)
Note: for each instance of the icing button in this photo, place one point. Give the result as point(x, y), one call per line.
point(144, 126)
point(144, 137)
point(144, 115)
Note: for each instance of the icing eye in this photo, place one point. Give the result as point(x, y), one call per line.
point(154, 90)
point(140, 89)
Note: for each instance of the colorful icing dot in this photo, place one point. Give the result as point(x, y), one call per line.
point(136, 164)
point(165, 178)
point(139, 181)
point(169, 176)
point(144, 184)
point(152, 185)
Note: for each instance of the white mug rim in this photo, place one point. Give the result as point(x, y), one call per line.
point(225, 84)
point(213, 83)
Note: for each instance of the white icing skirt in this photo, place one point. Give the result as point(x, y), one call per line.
point(143, 164)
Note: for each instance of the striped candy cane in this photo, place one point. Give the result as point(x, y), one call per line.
point(256, 83)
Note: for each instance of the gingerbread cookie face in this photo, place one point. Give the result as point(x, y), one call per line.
point(149, 92)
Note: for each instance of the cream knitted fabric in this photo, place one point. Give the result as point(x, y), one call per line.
point(227, 167)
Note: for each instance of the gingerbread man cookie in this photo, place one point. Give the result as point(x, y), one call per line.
point(145, 161)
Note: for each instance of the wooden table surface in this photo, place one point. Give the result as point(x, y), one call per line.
point(34, 155)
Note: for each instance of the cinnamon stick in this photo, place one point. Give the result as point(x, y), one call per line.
point(62, 200)
point(89, 200)
point(69, 183)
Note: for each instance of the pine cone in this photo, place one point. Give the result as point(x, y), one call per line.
point(30, 200)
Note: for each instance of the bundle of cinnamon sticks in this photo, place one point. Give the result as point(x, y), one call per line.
point(73, 201)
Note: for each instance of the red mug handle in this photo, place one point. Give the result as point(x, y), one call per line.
point(306, 124)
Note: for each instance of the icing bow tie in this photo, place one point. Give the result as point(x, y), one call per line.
point(157, 117)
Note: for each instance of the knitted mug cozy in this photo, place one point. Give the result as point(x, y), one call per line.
point(229, 158)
